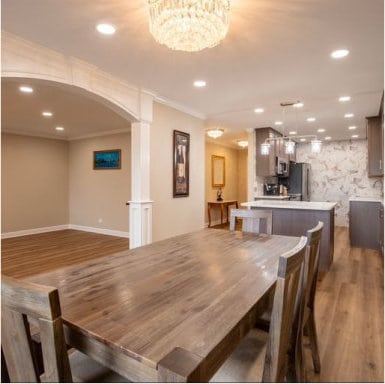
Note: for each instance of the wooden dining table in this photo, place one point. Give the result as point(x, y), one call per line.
point(173, 310)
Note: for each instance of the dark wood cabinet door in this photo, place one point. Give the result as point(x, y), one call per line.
point(365, 224)
point(375, 147)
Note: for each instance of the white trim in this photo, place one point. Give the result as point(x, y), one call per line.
point(34, 231)
point(180, 107)
point(96, 134)
point(103, 231)
point(34, 134)
point(65, 138)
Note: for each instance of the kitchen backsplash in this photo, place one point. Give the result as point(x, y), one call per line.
point(339, 172)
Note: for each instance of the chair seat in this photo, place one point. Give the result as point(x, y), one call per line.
point(86, 370)
point(246, 363)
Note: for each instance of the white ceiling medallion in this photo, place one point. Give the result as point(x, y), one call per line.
point(189, 25)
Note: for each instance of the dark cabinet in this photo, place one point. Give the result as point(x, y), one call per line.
point(366, 224)
point(266, 164)
point(375, 146)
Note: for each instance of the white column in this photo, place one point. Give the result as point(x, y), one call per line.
point(141, 204)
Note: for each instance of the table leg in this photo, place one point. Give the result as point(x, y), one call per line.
point(222, 207)
point(209, 213)
point(180, 366)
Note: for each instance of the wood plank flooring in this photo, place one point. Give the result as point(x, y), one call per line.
point(28, 255)
point(349, 299)
point(350, 316)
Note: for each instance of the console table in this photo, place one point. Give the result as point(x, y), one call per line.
point(222, 205)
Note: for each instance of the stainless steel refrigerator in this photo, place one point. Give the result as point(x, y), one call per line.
point(299, 180)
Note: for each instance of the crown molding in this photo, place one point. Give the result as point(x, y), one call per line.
point(180, 107)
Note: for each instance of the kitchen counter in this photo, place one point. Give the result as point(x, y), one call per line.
point(374, 199)
point(307, 205)
point(272, 197)
point(294, 218)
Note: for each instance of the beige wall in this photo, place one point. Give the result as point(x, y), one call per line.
point(66, 190)
point(236, 175)
point(97, 198)
point(172, 216)
point(34, 180)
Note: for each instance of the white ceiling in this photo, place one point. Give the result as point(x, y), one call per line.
point(276, 50)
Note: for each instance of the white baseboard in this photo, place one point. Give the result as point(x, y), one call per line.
point(34, 231)
point(103, 231)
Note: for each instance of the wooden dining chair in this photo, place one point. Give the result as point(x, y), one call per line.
point(22, 303)
point(310, 283)
point(252, 220)
point(262, 357)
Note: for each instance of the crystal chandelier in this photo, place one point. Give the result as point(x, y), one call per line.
point(189, 25)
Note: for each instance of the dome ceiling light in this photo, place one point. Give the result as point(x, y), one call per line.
point(215, 132)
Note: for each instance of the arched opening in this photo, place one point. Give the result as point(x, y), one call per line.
point(48, 180)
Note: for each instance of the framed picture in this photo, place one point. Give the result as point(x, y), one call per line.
point(110, 159)
point(181, 164)
point(218, 175)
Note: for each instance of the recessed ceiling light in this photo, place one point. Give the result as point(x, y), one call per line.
point(354, 136)
point(199, 83)
point(352, 127)
point(106, 29)
point(25, 89)
point(348, 115)
point(344, 99)
point(328, 137)
point(310, 119)
point(59, 128)
point(302, 139)
point(292, 133)
point(298, 105)
point(47, 114)
point(278, 123)
point(320, 130)
point(259, 110)
point(339, 53)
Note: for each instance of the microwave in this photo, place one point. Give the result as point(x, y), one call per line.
point(282, 166)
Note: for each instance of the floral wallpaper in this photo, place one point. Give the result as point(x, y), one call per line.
point(339, 172)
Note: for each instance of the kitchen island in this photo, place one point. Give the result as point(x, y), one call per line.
point(294, 218)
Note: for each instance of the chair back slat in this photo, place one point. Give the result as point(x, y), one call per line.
point(16, 345)
point(311, 270)
point(286, 307)
point(253, 220)
point(42, 304)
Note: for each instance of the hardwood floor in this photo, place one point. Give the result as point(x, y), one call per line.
point(28, 255)
point(350, 316)
point(349, 300)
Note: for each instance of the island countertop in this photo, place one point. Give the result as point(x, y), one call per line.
point(294, 218)
point(367, 199)
point(307, 205)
